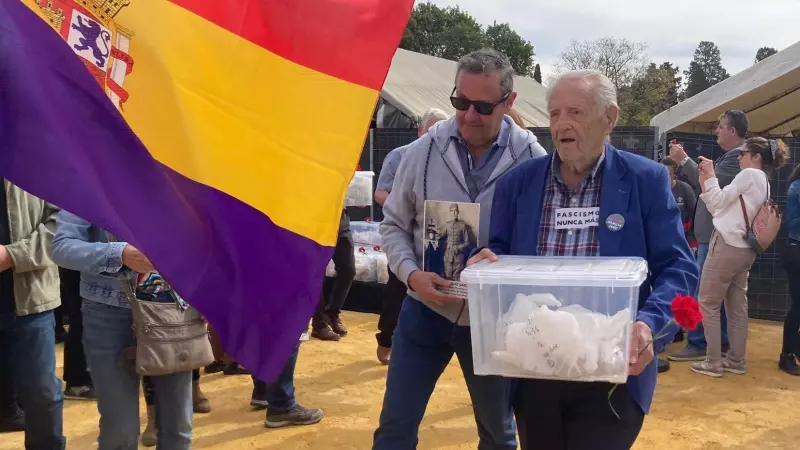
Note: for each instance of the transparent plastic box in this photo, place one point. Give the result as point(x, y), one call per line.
point(359, 192)
point(372, 266)
point(366, 233)
point(554, 318)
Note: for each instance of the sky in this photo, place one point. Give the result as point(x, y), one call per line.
point(672, 30)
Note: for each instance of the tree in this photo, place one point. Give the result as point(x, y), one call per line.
point(654, 91)
point(451, 33)
point(619, 59)
point(674, 91)
point(764, 53)
point(503, 39)
point(537, 74)
point(705, 70)
point(444, 32)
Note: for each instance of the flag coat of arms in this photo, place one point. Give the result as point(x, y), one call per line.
point(218, 137)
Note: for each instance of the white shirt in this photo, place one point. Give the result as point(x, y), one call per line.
point(724, 205)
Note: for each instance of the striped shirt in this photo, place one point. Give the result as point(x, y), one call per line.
point(558, 195)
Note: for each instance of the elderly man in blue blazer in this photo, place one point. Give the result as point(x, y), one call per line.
point(638, 217)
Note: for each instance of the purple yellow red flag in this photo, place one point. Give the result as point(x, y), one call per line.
point(216, 136)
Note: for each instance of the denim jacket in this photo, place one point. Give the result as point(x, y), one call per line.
point(792, 212)
point(81, 246)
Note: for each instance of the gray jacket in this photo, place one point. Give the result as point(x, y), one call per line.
point(726, 168)
point(31, 224)
point(403, 224)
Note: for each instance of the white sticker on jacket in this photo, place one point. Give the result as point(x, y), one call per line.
point(577, 218)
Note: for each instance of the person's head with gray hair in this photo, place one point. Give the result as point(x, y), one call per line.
point(483, 94)
point(429, 119)
point(583, 110)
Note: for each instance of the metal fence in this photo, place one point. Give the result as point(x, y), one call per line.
point(767, 289)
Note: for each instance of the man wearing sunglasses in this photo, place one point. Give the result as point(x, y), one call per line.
point(460, 161)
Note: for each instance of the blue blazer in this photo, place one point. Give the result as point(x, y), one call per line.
point(639, 190)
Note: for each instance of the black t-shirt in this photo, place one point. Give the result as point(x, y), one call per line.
point(686, 200)
point(7, 302)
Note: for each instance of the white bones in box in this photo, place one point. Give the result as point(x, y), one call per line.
point(554, 318)
point(359, 192)
point(366, 233)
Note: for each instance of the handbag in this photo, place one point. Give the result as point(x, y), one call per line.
point(765, 226)
point(171, 336)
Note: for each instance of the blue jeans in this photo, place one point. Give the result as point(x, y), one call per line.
point(280, 394)
point(423, 345)
point(27, 351)
point(106, 333)
point(697, 337)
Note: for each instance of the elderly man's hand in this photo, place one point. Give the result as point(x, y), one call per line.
point(484, 254)
point(425, 283)
point(677, 153)
point(642, 352)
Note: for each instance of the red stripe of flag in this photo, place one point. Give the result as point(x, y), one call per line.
point(353, 40)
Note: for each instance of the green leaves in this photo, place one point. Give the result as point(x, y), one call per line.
point(451, 33)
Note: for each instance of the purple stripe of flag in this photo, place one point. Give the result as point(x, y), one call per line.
point(64, 141)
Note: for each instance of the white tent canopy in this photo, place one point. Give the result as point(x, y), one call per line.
point(417, 82)
point(769, 92)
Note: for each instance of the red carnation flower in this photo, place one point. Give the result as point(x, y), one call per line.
point(686, 312)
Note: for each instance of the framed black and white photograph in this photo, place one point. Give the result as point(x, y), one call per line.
point(451, 233)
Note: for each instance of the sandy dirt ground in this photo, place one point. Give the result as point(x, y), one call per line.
point(760, 410)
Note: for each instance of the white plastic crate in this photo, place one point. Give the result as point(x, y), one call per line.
point(554, 318)
point(359, 192)
point(365, 233)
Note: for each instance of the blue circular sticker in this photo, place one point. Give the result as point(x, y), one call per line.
point(615, 222)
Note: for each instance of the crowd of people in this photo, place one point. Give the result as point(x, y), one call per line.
point(483, 155)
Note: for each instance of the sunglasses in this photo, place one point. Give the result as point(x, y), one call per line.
point(482, 108)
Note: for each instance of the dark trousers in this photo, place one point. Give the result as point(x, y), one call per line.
point(280, 393)
point(76, 372)
point(393, 295)
point(424, 344)
point(562, 415)
point(791, 328)
point(28, 356)
point(9, 403)
point(345, 261)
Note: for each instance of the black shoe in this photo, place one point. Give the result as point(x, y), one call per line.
point(337, 326)
point(295, 416)
point(12, 421)
point(789, 364)
point(259, 398)
point(235, 369)
point(215, 367)
point(663, 365)
point(325, 334)
point(61, 336)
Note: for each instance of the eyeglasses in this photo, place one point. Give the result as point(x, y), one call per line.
point(482, 108)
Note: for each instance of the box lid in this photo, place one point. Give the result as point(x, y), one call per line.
point(555, 271)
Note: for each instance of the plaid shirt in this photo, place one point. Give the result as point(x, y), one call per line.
point(557, 195)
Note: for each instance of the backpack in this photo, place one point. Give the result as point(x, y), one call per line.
point(763, 231)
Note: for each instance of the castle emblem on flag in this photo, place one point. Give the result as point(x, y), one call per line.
point(88, 26)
